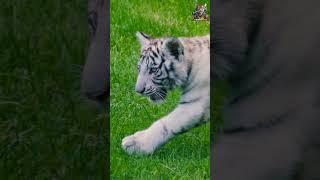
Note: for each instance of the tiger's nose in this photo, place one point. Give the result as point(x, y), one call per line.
point(140, 90)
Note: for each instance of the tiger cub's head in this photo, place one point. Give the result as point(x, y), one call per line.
point(161, 66)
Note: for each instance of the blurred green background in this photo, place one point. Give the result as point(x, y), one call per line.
point(46, 130)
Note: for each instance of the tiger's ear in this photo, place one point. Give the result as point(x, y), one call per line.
point(143, 38)
point(174, 46)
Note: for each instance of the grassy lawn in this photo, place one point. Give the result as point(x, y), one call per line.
point(46, 130)
point(186, 156)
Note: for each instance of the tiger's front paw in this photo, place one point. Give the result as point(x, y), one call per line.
point(138, 143)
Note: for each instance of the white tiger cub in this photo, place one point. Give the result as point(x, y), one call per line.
point(166, 63)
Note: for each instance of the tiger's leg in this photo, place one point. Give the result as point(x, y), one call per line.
point(185, 116)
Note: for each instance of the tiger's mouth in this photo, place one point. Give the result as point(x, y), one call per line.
point(158, 96)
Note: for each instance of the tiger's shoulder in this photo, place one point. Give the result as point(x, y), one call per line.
point(197, 49)
point(196, 41)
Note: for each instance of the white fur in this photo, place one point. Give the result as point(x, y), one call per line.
point(184, 116)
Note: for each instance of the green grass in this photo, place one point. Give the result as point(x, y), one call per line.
point(186, 156)
point(46, 130)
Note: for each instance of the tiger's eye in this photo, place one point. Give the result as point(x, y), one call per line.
point(153, 70)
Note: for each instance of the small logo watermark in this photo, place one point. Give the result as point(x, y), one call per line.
point(200, 13)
